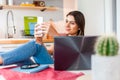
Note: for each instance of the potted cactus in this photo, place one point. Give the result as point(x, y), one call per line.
point(106, 61)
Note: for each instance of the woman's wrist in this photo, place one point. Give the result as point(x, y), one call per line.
point(39, 40)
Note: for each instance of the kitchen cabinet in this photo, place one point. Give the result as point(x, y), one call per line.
point(29, 7)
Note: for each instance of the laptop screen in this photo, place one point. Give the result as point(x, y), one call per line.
point(73, 53)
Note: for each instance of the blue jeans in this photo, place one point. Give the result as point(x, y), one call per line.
point(23, 53)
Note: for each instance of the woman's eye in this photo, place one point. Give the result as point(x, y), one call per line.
point(66, 21)
point(72, 23)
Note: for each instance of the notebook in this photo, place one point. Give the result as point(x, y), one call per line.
point(73, 53)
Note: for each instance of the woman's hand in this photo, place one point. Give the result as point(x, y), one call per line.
point(40, 31)
point(44, 28)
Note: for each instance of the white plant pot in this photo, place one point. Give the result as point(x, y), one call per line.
point(105, 68)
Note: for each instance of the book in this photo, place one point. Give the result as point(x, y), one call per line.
point(29, 23)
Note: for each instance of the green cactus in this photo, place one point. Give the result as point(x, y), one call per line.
point(107, 46)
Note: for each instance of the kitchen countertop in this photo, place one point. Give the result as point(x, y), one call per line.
point(20, 41)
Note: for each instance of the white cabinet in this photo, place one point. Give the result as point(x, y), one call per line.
point(7, 47)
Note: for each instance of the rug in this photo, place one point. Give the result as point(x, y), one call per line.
point(47, 74)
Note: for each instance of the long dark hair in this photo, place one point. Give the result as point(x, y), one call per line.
point(80, 21)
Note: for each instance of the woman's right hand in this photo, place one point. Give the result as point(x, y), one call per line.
point(40, 31)
point(45, 28)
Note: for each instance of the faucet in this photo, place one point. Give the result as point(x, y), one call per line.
point(11, 30)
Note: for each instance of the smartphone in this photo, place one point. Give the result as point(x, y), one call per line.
point(39, 20)
point(30, 66)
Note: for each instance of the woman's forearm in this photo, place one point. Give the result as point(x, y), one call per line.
point(50, 49)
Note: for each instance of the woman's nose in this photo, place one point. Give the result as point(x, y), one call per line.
point(67, 24)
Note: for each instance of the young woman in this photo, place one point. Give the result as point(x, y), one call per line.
point(74, 26)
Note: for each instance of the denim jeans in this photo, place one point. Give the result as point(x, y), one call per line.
point(23, 53)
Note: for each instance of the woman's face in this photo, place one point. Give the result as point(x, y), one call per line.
point(70, 26)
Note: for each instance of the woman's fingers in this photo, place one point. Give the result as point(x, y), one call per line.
point(41, 29)
point(39, 33)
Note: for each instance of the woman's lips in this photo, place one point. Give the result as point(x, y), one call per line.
point(67, 29)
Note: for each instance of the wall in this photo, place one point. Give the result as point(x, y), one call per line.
point(19, 15)
point(118, 18)
point(67, 7)
point(110, 16)
point(94, 15)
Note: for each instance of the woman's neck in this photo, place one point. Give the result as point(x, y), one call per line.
point(72, 35)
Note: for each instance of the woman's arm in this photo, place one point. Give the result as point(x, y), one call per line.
point(45, 28)
point(51, 29)
point(50, 49)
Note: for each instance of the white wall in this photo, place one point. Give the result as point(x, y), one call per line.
point(100, 16)
point(110, 16)
point(94, 15)
point(68, 5)
point(118, 19)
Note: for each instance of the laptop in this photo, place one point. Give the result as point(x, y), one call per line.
point(73, 53)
